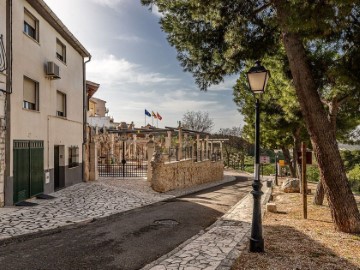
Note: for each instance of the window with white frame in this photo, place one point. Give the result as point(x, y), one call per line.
point(60, 104)
point(60, 51)
point(73, 156)
point(31, 94)
point(31, 25)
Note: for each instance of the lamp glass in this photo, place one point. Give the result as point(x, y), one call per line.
point(258, 81)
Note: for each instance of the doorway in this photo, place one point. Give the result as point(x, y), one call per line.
point(59, 170)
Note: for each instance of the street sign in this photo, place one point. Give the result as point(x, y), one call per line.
point(264, 159)
point(282, 162)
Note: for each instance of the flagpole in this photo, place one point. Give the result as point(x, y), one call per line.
point(145, 121)
point(157, 122)
point(152, 120)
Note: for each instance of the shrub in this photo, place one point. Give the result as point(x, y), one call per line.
point(354, 178)
point(312, 173)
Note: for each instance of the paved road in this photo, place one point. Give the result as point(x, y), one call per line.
point(128, 240)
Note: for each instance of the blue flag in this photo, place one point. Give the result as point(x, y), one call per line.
point(147, 113)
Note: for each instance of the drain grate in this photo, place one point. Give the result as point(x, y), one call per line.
point(166, 222)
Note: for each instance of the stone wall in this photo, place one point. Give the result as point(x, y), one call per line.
point(184, 173)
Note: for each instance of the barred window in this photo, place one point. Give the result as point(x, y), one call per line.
point(73, 156)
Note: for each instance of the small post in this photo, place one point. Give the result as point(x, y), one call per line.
point(276, 170)
point(303, 178)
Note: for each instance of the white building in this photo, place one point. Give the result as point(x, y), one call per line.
point(46, 109)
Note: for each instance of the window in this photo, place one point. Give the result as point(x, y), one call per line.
point(31, 94)
point(73, 156)
point(31, 25)
point(60, 104)
point(60, 51)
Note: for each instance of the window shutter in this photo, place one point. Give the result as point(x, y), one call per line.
point(29, 91)
point(30, 20)
point(60, 102)
point(59, 48)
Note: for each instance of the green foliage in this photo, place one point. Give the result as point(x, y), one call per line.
point(350, 158)
point(312, 173)
point(354, 178)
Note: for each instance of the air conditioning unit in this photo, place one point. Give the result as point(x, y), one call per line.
point(52, 71)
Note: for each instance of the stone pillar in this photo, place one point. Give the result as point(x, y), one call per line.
point(186, 145)
point(93, 164)
point(180, 144)
point(198, 147)
point(111, 147)
point(135, 146)
point(168, 140)
point(202, 149)
point(207, 147)
point(221, 151)
point(150, 152)
point(193, 150)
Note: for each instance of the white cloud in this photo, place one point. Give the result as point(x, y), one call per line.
point(227, 84)
point(109, 3)
point(110, 70)
point(129, 38)
point(156, 12)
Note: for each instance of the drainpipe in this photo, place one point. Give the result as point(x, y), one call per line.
point(8, 188)
point(85, 103)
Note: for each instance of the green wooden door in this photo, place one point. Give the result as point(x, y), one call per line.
point(36, 167)
point(28, 169)
point(21, 171)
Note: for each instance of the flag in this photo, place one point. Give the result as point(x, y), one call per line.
point(147, 113)
point(158, 116)
point(153, 114)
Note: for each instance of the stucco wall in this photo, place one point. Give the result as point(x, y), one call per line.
point(2, 107)
point(185, 173)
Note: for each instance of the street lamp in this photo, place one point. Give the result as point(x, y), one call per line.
point(258, 77)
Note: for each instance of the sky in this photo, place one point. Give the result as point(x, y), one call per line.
point(136, 67)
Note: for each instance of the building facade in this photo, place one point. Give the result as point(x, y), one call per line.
point(46, 109)
point(3, 66)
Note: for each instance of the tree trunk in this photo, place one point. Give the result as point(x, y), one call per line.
point(287, 157)
point(344, 211)
point(319, 194)
point(296, 150)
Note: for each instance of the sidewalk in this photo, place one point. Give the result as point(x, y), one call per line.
point(219, 245)
point(215, 248)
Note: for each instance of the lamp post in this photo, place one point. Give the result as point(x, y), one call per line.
point(257, 77)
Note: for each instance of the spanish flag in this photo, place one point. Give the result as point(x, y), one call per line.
point(158, 116)
point(153, 114)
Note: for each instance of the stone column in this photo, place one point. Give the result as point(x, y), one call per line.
point(168, 140)
point(186, 145)
point(221, 151)
point(198, 147)
point(93, 164)
point(180, 144)
point(202, 149)
point(111, 147)
point(150, 152)
point(207, 147)
point(135, 146)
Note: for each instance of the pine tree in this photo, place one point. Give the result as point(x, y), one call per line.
point(215, 38)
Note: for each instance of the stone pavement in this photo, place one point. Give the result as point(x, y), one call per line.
point(219, 245)
point(83, 203)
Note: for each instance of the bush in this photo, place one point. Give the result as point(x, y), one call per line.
point(312, 173)
point(354, 178)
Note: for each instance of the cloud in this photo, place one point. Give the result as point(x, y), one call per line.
point(156, 12)
point(109, 3)
point(128, 38)
point(110, 70)
point(227, 84)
